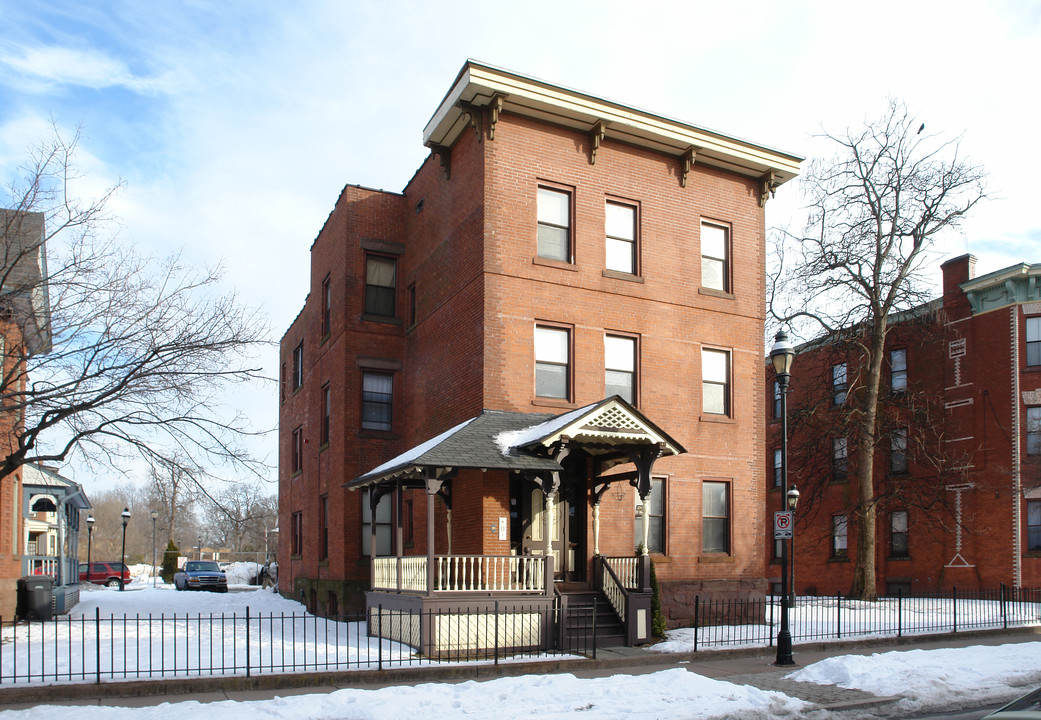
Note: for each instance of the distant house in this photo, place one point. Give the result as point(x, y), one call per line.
point(24, 331)
point(534, 369)
point(959, 464)
point(52, 509)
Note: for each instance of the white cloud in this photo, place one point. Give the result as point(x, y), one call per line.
point(39, 68)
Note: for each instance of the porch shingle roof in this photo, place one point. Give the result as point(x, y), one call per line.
point(471, 444)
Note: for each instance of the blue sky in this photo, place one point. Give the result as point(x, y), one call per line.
point(235, 124)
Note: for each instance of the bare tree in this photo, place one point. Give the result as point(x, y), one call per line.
point(874, 212)
point(239, 516)
point(121, 357)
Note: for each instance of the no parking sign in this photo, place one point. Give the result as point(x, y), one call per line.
point(783, 525)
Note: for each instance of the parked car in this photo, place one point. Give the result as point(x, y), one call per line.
point(1028, 706)
point(105, 573)
point(201, 575)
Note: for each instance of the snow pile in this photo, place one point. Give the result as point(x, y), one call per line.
point(935, 678)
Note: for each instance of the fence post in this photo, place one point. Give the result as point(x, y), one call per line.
point(954, 597)
point(697, 607)
point(496, 620)
point(899, 613)
point(838, 615)
point(97, 643)
point(1004, 609)
point(379, 633)
point(247, 641)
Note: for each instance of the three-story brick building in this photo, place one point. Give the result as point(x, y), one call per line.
point(568, 298)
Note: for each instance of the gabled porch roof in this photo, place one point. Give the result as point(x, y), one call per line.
point(522, 441)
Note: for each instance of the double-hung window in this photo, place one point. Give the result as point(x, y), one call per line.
point(327, 303)
point(380, 285)
point(297, 450)
point(898, 450)
point(552, 362)
point(1034, 430)
point(898, 370)
point(554, 224)
point(1034, 340)
point(1034, 525)
point(777, 401)
point(839, 383)
point(382, 522)
point(778, 469)
point(655, 509)
point(839, 460)
point(620, 367)
point(327, 409)
point(323, 527)
point(898, 544)
point(715, 381)
point(297, 533)
point(377, 401)
point(715, 517)
point(715, 257)
point(298, 366)
point(620, 227)
point(839, 529)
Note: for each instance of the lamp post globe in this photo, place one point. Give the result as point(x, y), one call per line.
point(123, 549)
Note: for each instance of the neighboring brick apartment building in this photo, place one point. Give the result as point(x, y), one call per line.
point(963, 387)
point(24, 330)
point(554, 249)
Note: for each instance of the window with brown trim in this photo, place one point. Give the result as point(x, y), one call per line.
point(552, 362)
point(327, 301)
point(297, 450)
point(620, 376)
point(554, 224)
point(715, 517)
point(715, 257)
point(620, 227)
point(323, 527)
point(380, 285)
point(715, 381)
point(297, 533)
point(327, 402)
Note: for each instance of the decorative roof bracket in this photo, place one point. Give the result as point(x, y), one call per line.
point(496, 108)
point(475, 113)
point(689, 158)
point(444, 156)
point(768, 185)
point(596, 136)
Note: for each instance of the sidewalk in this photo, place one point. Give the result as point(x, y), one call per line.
point(744, 666)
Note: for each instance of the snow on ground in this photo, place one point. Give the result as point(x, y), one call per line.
point(933, 679)
point(972, 676)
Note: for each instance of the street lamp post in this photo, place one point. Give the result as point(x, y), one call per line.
point(781, 356)
point(90, 537)
point(198, 540)
point(123, 550)
point(154, 514)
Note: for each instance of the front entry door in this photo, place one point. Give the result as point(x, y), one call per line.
point(566, 531)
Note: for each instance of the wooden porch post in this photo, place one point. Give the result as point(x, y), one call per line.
point(399, 534)
point(596, 528)
point(432, 486)
point(547, 537)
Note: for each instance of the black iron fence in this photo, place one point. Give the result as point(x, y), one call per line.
point(97, 649)
point(754, 622)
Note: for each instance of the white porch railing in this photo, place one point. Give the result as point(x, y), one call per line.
point(462, 573)
point(625, 569)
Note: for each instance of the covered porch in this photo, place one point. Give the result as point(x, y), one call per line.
point(526, 490)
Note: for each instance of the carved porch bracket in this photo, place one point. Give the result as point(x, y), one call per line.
point(768, 185)
point(475, 114)
point(444, 156)
point(596, 136)
point(689, 158)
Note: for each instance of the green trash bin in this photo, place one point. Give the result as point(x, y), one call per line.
point(36, 597)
